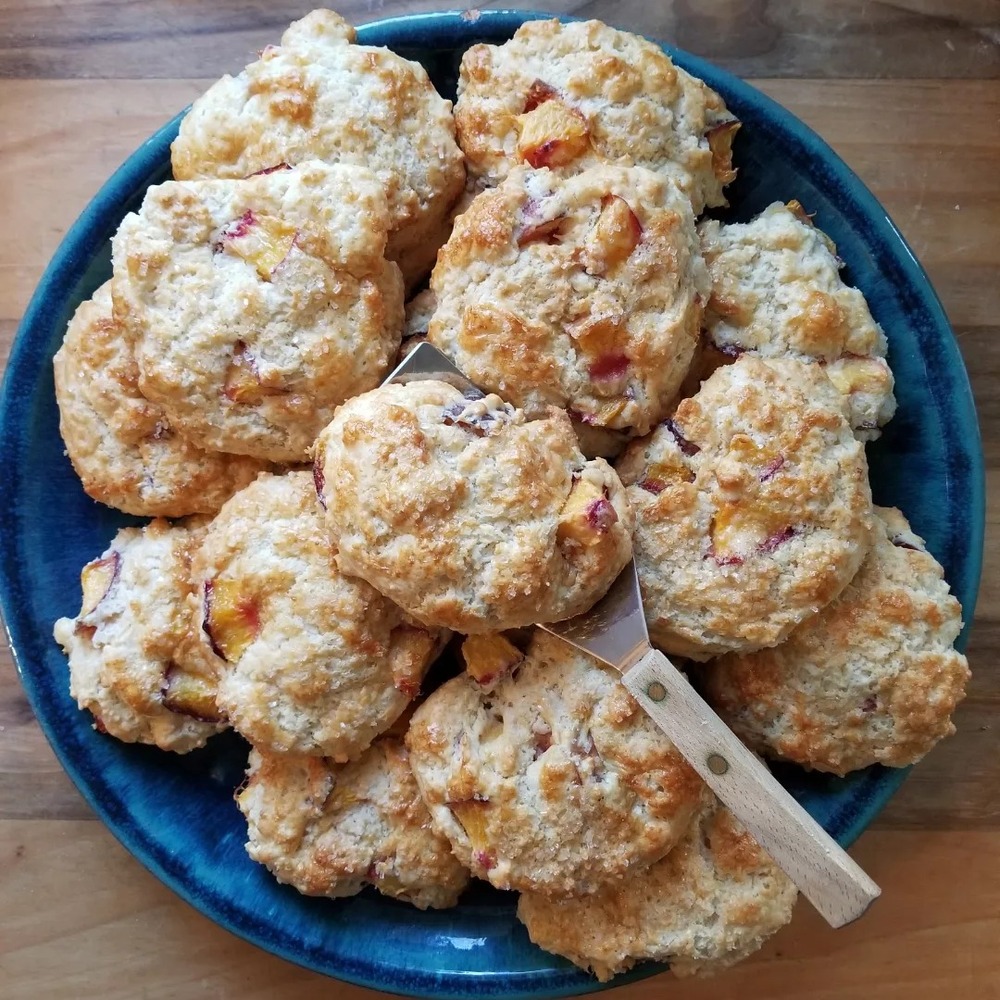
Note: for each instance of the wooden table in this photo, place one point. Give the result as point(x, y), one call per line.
point(909, 94)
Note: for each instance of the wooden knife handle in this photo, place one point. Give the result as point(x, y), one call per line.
point(811, 858)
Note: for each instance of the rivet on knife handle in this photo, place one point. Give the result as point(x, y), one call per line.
point(827, 876)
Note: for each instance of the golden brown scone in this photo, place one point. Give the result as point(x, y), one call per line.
point(872, 678)
point(777, 291)
point(547, 776)
point(310, 661)
point(121, 445)
point(320, 96)
point(753, 509)
point(711, 902)
point(257, 306)
point(331, 829)
point(134, 661)
point(466, 513)
point(582, 292)
point(572, 96)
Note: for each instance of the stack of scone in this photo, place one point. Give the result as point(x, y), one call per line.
point(327, 534)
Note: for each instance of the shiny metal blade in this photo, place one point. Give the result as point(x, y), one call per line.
point(425, 361)
point(614, 629)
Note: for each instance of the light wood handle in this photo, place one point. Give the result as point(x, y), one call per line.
point(811, 858)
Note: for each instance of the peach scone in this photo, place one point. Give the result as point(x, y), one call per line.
point(578, 95)
point(777, 291)
point(582, 292)
point(257, 306)
point(466, 513)
point(320, 96)
point(135, 663)
point(549, 777)
point(873, 678)
point(122, 446)
point(711, 902)
point(753, 509)
point(331, 829)
point(310, 661)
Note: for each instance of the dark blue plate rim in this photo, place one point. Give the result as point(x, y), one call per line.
point(68, 266)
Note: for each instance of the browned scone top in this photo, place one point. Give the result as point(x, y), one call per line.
point(572, 96)
point(583, 292)
point(711, 902)
point(331, 829)
point(549, 777)
point(466, 513)
point(873, 678)
point(256, 306)
point(122, 446)
point(753, 509)
point(310, 661)
point(134, 661)
point(320, 96)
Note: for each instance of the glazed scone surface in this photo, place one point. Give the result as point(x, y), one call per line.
point(752, 506)
point(134, 661)
point(711, 902)
point(320, 96)
point(777, 291)
point(257, 306)
point(121, 445)
point(467, 514)
point(873, 678)
point(550, 778)
point(582, 292)
point(572, 96)
point(331, 829)
point(310, 661)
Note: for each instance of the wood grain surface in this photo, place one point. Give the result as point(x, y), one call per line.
point(909, 94)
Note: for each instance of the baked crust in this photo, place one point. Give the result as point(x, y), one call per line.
point(467, 514)
point(550, 778)
point(873, 678)
point(331, 829)
point(257, 306)
point(583, 292)
point(596, 95)
point(753, 509)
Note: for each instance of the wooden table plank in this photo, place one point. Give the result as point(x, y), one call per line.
point(810, 38)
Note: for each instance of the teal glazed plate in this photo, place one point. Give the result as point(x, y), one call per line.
point(177, 815)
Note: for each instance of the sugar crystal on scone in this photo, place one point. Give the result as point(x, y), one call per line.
point(257, 306)
point(753, 508)
point(578, 95)
point(320, 96)
point(331, 829)
point(583, 292)
point(310, 661)
point(134, 661)
point(545, 774)
point(873, 678)
point(465, 512)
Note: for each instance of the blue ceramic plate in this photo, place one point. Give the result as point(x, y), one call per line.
point(177, 815)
